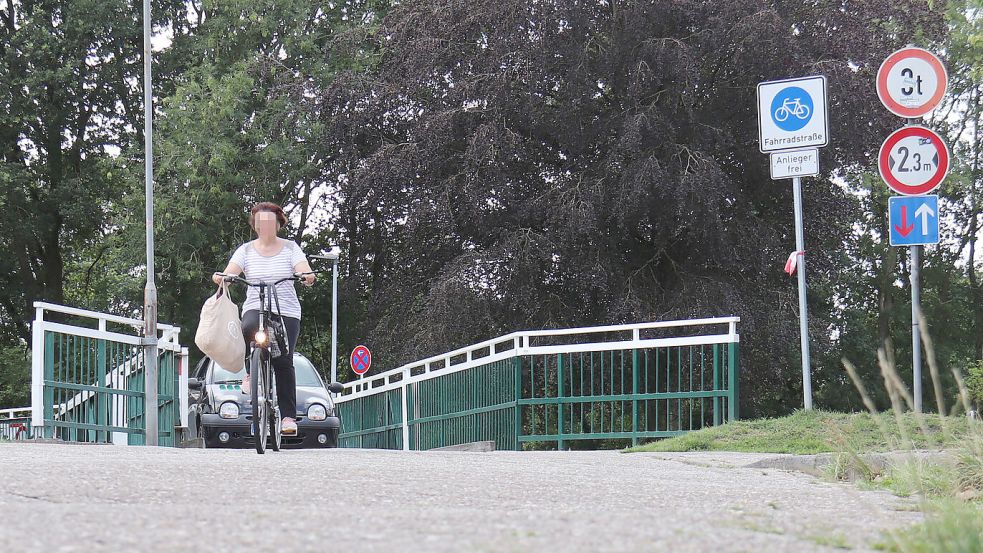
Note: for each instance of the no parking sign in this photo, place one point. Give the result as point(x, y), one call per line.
point(361, 359)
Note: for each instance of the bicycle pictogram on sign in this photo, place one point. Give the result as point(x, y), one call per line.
point(792, 108)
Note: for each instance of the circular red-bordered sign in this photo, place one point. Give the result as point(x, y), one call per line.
point(911, 82)
point(913, 161)
point(361, 359)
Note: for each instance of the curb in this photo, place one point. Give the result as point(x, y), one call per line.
point(853, 466)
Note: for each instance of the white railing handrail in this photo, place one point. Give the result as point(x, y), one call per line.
point(634, 326)
point(12, 413)
point(42, 306)
point(520, 346)
point(168, 342)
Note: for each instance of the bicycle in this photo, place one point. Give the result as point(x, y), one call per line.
point(262, 385)
point(792, 107)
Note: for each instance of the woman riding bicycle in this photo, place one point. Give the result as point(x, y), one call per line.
point(269, 258)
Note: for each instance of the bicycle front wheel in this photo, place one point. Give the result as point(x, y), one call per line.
point(260, 414)
point(272, 408)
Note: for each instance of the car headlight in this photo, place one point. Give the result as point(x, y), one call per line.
point(229, 410)
point(317, 412)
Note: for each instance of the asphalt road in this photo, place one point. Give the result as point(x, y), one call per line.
point(57, 497)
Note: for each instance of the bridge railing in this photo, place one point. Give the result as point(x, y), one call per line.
point(550, 387)
point(15, 424)
point(87, 383)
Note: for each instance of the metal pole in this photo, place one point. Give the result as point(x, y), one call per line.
point(150, 292)
point(916, 344)
point(803, 309)
point(334, 322)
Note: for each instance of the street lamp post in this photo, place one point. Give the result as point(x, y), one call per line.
point(334, 254)
point(150, 292)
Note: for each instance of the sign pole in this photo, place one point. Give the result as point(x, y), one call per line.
point(793, 122)
point(916, 344)
point(803, 309)
point(916, 307)
point(911, 82)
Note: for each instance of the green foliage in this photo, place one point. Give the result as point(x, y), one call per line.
point(952, 527)
point(974, 382)
point(15, 376)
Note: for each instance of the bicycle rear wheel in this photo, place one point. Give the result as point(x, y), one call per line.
point(260, 415)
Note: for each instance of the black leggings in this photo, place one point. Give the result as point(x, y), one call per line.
point(283, 366)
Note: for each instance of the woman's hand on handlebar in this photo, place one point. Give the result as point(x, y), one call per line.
point(217, 278)
point(306, 278)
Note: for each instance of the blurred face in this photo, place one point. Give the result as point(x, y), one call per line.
point(266, 225)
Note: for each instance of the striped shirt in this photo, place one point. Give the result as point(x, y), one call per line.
point(257, 267)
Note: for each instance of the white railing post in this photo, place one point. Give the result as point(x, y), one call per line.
point(182, 368)
point(37, 369)
point(406, 412)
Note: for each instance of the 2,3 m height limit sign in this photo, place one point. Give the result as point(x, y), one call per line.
point(913, 160)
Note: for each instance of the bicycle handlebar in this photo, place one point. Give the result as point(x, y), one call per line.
point(239, 279)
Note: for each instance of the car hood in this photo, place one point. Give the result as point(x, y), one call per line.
point(306, 396)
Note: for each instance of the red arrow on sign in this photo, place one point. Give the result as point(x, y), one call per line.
point(905, 229)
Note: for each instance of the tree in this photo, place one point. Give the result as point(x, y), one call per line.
point(69, 92)
point(242, 125)
point(542, 164)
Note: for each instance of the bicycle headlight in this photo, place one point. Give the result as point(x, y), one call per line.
point(261, 337)
point(317, 412)
point(229, 410)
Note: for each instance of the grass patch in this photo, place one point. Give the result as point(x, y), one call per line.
point(951, 527)
point(835, 541)
point(809, 432)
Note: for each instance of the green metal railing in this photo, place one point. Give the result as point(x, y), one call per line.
point(88, 384)
point(94, 388)
point(374, 422)
point(547, 389)
point(15, 424)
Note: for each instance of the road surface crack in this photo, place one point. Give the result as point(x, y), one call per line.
point(34, 497)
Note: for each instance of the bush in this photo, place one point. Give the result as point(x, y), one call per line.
point(15, 376)
point(974, 382)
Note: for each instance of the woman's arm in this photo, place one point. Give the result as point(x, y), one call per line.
point(230, 269)
point(305, 267)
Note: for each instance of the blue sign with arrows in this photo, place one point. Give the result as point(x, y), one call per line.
point(914, 220)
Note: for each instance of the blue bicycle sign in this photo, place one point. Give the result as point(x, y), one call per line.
point(791, 109)
point(792, 114)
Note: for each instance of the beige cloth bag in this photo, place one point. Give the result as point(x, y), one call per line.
point(219, 334)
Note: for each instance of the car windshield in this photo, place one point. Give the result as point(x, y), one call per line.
point(306, 373)
point(220, 374)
